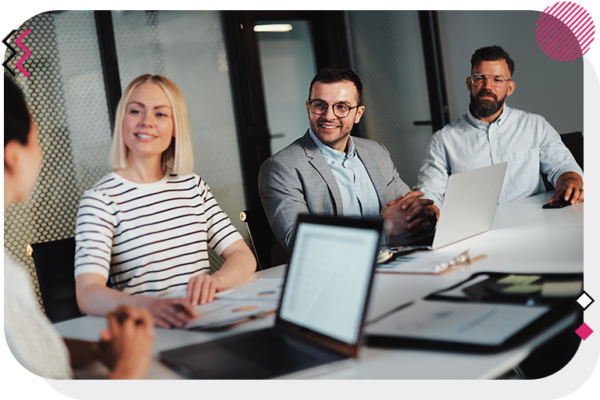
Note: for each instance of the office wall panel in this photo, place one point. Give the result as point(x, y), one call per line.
point(553, 89)
point(387, 55)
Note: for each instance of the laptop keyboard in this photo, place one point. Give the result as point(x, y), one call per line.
point(419, 239)
point(259, 354)
point(274, 349)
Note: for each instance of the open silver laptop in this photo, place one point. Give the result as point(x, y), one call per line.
point(321, 310)
point(468, 210)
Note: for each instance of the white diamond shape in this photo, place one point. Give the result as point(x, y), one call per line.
point(584, 300)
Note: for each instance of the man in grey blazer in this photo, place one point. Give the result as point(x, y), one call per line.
point(328, 172)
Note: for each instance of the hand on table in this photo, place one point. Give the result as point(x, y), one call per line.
point(201, 288)
point(168, 313)
point(126, 345)
point(568, 189)
point(408, 213)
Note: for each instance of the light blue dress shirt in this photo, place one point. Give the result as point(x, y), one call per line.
point(527, 141)
point(359, 197)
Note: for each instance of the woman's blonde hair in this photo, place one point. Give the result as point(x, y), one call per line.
point(179, 157)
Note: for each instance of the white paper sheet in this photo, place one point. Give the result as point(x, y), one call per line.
point(264, 289)
point(230, 306)
point(222, 312)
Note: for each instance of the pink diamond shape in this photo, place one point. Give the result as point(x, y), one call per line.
point(584, 331)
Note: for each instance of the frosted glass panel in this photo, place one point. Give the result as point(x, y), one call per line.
point(67, 99)
point(387, 55)
point(188, 48)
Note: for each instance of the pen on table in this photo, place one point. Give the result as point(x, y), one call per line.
point(478, 258)
point(121, 317)
point(178, 307)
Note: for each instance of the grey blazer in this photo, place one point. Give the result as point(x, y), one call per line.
point(298, 180)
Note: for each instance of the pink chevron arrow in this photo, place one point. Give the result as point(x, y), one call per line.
point(27, 53)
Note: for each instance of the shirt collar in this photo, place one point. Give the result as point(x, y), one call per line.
point(479, 123)
point(328, 151)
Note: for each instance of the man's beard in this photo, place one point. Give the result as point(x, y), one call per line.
point(484, 108)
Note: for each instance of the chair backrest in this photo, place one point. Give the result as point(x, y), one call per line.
point(267, 250)
point(54, 263)
point(574, 142)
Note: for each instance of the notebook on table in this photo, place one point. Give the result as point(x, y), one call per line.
point(486, 313)
point(469, 207)
point(321, 309)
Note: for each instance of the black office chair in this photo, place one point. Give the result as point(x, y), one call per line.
point(574, 142)
point(54, 263)
point(267, 249)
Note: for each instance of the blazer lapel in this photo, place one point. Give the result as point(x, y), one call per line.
point(374, 171)
point(318, 162)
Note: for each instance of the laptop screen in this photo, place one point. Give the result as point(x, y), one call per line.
point(328, 279)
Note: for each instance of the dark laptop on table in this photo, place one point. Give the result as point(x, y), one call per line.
point(321, 310)
point(469, 207)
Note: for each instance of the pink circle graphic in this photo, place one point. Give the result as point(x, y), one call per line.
point(565, 31)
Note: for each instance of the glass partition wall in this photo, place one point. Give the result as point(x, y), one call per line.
point(67, 95)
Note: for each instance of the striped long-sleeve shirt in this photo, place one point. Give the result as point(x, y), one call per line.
point(150, 238)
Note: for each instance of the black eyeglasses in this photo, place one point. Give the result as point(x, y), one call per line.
point(340, 110)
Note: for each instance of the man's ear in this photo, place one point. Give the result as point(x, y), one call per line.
point(469, 83)
point(359, 114)
point(511, 87)
point(308, 109)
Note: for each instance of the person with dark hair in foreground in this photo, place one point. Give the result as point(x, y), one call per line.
point(328, 172)
point(125, 346)
point(491, 132)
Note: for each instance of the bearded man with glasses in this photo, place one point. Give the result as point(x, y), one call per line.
point(491, 132)
point(329, 172)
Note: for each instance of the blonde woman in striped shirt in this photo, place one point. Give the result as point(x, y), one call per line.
point(147, 226)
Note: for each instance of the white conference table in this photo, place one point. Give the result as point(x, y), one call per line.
point(524, 238)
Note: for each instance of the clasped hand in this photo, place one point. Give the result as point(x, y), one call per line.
point(407, 214)
point(126, 345)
